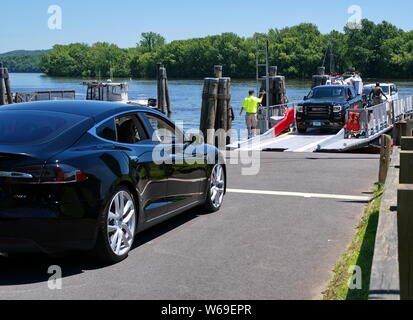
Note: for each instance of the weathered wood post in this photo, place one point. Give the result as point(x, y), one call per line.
point(216, 110)
point(209, 107)
point(403, 128)
point(405, 239)
point(385, 157)
point(164, 101)
point(320, 78)
point(218, 71)
point(2, 85)
point(406, 167)
point(407, 143)
point(277, 94)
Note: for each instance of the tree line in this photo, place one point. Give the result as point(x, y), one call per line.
point(375, 50)
point(22, 63)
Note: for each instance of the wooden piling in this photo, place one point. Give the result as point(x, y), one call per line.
point(277, 91)
point(385, 157)
point(405, 239)
point(8, 87)
point(164, 101)
point(218, 71)
point(6, 95)
point(320, 78)
point(216, 111)
point(2, 86)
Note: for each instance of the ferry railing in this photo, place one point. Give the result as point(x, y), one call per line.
point(375, 119)
point(273, 115)
point(276, 111)
point(44, 96)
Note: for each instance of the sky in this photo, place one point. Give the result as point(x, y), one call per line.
point(25, 22)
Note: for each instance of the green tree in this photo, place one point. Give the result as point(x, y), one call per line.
point(150, 41)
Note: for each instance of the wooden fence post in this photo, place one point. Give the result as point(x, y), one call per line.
point(407, 143)
point(406, 167)
point(405, 239)
point(400, 131)
point(385, 157)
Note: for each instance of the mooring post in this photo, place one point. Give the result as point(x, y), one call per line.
point(216, 111)
point(218, 71)
point(164, 100)
point(7, 85)
point(277, 93)
point(405, 239)
point(2, 86)
point(320, 78)
point(385, 157)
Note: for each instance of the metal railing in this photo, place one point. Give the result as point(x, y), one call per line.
point(44, 96)
point(276, 111)
point(376, 119)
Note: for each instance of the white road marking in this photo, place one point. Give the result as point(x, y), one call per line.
point(301, 194)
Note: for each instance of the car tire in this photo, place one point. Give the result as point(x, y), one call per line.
point(117, 227)
point(301, 130)
point(216, 189)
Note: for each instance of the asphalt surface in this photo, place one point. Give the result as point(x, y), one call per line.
point(257, 247)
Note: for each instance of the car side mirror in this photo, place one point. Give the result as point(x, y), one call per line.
point(305, 98)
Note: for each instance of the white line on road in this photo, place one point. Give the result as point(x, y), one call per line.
point(301, 194)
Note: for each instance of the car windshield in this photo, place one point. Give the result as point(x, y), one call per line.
point(23, 127)
point(367, 90)
point(327, 93)
point(386, 89)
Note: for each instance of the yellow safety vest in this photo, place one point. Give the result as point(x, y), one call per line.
point(250, 104)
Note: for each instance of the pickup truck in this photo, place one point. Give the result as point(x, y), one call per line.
point(325, 107)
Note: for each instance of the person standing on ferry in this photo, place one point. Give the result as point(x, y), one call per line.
point(250, 105)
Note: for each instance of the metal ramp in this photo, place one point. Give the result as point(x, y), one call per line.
point(374, 121)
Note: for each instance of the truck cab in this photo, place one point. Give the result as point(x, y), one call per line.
point(325, 107)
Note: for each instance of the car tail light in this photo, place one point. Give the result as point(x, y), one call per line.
point(50, 173)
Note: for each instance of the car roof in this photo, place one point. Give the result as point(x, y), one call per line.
point(98, 110)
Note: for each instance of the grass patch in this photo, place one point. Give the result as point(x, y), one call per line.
point(359, 253)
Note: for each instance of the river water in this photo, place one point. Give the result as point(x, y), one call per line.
point(185, 94)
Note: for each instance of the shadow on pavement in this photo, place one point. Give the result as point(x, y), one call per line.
point(21, 269)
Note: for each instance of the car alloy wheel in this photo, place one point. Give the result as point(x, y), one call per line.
point(217, 186)
point(121, 223)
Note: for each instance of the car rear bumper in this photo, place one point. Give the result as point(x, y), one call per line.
point(26, 229)
point(46, 235)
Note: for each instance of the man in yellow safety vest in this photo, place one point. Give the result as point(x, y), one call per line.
point(250, 105)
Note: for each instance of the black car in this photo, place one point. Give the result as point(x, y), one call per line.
point(325, 107)
point(82, 175)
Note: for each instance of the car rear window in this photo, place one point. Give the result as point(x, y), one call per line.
point(34, 127)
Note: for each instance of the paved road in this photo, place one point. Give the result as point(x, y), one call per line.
point(259, 246)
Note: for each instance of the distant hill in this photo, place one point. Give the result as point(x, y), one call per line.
point(16, 53)
point(22, 60)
